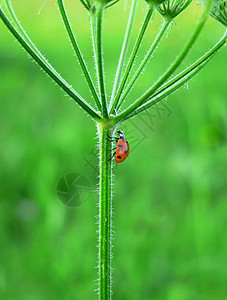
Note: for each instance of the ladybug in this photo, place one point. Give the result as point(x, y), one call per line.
point(122, 149)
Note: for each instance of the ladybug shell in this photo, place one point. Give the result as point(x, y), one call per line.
point(122, 150)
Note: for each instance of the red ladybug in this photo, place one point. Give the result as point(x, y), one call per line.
point(122, 149)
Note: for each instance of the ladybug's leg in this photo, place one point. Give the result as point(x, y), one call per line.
point(112, 156)
point(112, 139)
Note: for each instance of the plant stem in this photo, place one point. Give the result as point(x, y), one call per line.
point(92, 19)
point(192, 67)
point(78, 53)
point(49, 70)
point(144, 62)
point(124, 49)
point(24, 35)
point(111, 4)
point(105, 213)
point(99, 58)
point(18, 25)
point(147, 95)
point(86, 6)
point(133, 56)
point(169, 90)
point(182, 78)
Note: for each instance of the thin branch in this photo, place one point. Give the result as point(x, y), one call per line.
point(133, 56)
point(111, 4)
point(168, 91)
point(144, 62)
point(50, 71)
point(124, 49)
point(84, 4)
point(23, 33)
point(78, 52)
point(193, 66)
point(147, 95)
point(181, 78)
point(99, 58)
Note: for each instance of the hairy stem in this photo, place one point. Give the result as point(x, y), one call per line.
point(193, 66)
point(144, 62)
point(133, 56)
point(105, 213)
point(24, 35)
point(147, 95)
point(182, 78)
point(99, 58)
point(49, 70)
point(19, 26)
point(124, 49)
point(78, 53)
point(169, 90)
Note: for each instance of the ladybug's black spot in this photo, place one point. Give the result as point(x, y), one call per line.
point(126, 151)
point(119, 157)
point(120, 146)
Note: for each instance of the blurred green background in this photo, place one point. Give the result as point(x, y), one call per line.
point(170, 194)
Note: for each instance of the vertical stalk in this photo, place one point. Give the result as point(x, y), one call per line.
point(78, 52)
point(145, 97)
point(132, 58)
point(124, 49)
point(43, 63)
point(99, 58)
point(144, 62)
point(105, 213)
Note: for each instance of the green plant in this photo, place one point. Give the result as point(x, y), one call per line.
point(109, 115)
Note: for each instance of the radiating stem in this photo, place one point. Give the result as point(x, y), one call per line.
point(92, 19)
point(144, 62)
point(49, 70)
point(147, 95)
point(99, 57)
point(78, 53)
point(19, 26)
point(168, 91)
point(24, 35)
point(133, 56)
point(182, 78)
point(193, 66)
point(105, 213)
point(112, 3)
point(124, 49)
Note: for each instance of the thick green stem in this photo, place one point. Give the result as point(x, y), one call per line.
point(133, 56)
point(105, 213)
point(78, 53)
point(147, 95)
point(124, 49)
point(144, 62)
point(99, 58)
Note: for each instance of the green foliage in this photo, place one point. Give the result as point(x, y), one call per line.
point(155, 2)
point(219, 11)
point(172, 8)
point(170, 212)
point(169, 197)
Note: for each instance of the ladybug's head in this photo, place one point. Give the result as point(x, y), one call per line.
point(121, 134)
